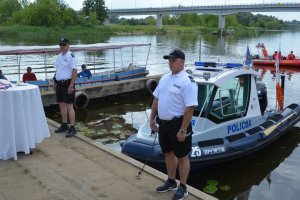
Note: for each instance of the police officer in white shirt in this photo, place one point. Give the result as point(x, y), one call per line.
point(174, 100)
point(64, 83)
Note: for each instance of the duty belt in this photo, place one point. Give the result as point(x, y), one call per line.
point(172, 121)
point(63, 81)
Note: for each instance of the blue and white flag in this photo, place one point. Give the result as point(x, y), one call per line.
point(248, 60)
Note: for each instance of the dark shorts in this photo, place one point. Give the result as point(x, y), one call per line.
point(168, 140)
point(62, 92)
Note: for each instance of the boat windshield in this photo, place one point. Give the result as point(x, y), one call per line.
point(220, 104)
point(204, 95)
point(230, 101)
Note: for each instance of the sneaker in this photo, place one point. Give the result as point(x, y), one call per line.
point(71, 132)
point(180, 194)
point(63, 128)
point(167, 186)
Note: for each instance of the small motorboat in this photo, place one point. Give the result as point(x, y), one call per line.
point(230, 121)
point(268, 62)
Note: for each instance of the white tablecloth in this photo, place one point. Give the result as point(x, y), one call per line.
point(22, 120)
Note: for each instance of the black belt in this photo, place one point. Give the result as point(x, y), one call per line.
point(172, 121)
point(63, 81)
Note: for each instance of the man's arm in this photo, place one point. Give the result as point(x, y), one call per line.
point(187, 117)
point(89, 74)
point(73, 78)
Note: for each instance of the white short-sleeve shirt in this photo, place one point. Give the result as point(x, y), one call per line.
point(64, 64)
point(174, 94)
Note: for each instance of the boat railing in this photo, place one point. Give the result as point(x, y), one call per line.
point(43, 53)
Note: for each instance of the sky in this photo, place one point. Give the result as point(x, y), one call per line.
point(114, 4)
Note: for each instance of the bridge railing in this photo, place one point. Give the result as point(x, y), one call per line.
point(172, 8)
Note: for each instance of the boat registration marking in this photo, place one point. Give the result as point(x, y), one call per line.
point(196, 152)
point(238, 126)
point(214, 150)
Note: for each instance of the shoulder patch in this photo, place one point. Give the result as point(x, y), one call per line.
point(72, 55)
point(192, 79)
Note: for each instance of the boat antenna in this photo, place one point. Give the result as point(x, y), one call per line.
point(132, 55)
point(114, 60)
point(148, 55)
point(200, 47)
point(121, 58)
point(19, 65)
point(45, 64)
point(138, 175)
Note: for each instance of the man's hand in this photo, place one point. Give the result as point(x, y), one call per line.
point(153, 125)
point(70, 90)
point(180, 136)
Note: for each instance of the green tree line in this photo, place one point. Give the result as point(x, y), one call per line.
point(51, 13)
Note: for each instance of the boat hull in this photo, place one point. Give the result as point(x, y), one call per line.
point(211, 152)
point(291, 63)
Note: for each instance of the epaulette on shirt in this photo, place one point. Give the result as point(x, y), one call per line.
point(72, 55)
point(192, 79)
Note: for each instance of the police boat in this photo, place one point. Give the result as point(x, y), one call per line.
point(230, 121)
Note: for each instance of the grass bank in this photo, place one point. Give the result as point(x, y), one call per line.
point(16, 30)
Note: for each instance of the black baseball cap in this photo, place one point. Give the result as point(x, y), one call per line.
point(63, 40)
point(83, 66)
point(176, 53)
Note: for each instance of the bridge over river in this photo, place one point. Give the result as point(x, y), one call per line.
point(219, 10)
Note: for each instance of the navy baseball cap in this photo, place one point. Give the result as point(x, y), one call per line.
point(176, 53)
point(63, 40)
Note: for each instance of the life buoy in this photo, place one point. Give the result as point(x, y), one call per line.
point(81, 100)
point(151, 84)
point(279, 96)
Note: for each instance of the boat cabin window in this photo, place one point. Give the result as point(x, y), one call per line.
point(204, 93)
point(231, 100)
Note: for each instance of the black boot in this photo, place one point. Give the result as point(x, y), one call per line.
point(71, 132)
point(63, 128)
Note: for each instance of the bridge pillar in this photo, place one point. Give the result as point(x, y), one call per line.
point(159, 18)
point(106, 22)
point(221, 22)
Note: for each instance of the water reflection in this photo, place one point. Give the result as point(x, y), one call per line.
point(110, 121)
point(244, 175)
point(288, 71)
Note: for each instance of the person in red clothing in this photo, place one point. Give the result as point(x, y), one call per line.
point(274, 56)
point(29, 76)
point(291, 56)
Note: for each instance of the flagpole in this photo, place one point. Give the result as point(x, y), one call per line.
point(279, 95)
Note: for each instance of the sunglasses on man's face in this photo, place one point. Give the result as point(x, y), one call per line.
point(62, 44)
point(172, 60)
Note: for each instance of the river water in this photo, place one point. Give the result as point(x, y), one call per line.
point(272, 173)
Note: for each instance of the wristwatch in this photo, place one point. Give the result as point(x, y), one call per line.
point(182, 131)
